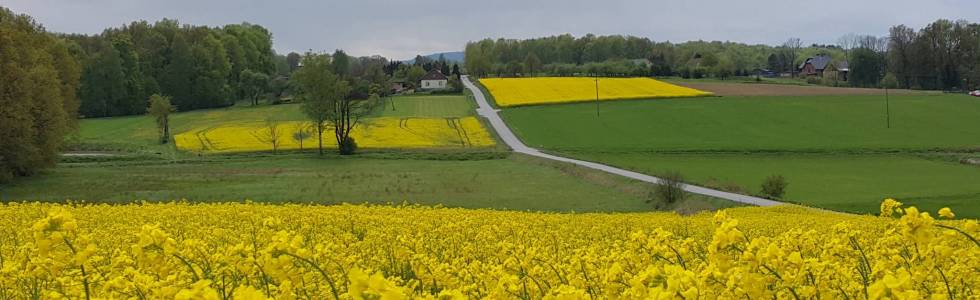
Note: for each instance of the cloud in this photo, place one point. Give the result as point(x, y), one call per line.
point(402, 29)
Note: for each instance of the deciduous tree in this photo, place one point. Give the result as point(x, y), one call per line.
point(36, 95)
point(414, 76)
point(292, 59)
point(532, 64)
point(254, 84)
point(271, 133)
point(160, 109)
point(326, 102)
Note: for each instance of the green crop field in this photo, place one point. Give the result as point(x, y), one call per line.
point(835, 151)
point(811, 123)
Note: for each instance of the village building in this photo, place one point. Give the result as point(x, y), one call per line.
point(434, 80)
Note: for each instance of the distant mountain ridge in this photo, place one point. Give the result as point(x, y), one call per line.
point(457, 57)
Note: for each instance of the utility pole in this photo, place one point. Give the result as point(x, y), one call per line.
point(888, 113)
point(597, 95)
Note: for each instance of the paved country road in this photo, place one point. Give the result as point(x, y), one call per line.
point(514, 143)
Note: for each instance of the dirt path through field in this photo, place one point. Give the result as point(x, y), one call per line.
point(514, 143)
point(758, 89)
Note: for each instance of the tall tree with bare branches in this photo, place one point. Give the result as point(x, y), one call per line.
point(271, 133)
point(794, 45)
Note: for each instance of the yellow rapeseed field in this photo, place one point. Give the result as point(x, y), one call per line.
point(255, 251)
point(371, 133)
point(547, 90)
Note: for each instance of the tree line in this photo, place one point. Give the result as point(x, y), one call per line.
point(618, 55)
point(942, 55)
point(38, 104)
point(197, 66)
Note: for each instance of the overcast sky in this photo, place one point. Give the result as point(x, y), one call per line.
point(400, 29)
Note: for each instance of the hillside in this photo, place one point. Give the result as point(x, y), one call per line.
point(455, 57)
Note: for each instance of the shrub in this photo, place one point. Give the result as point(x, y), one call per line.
point(829, 81)
point(684, 73)
point(671, 187)
point(348, 146)
point(774, 187)
point(698, 73)
point(889, 81)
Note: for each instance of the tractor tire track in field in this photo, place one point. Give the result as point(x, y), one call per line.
point(455, 124)
point(202, 137)
point(484, 109)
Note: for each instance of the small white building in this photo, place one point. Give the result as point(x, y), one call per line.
point(434, 80)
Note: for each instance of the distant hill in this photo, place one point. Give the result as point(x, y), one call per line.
point(456, 57)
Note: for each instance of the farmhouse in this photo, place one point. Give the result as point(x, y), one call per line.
point(814, 66)
point(823, 66)
point(434, 80)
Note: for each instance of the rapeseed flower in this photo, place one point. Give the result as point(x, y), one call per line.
point(260, 251)
point(550, 90)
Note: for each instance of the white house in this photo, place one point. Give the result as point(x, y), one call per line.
point(434, 80)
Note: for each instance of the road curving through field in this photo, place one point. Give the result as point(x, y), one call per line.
point(508, 137)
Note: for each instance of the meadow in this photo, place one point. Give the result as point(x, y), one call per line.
point(509, 92)
point(452, 179)
point(254, 251)
point(835, 151)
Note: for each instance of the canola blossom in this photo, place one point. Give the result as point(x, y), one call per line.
point(257, 251)
point(550, 90)
point(371, 133)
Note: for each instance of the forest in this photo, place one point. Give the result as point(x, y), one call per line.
point(198, 66)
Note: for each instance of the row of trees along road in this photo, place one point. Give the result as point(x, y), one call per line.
point(38, 80)
point(942, 55)
point(197, 66)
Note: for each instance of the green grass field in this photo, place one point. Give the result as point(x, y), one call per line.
point(852, 183)
point(811, 123)
point(505, 182)
point(836, 152)
point(426, 106)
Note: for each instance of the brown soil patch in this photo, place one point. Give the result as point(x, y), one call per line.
point(758, 89)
